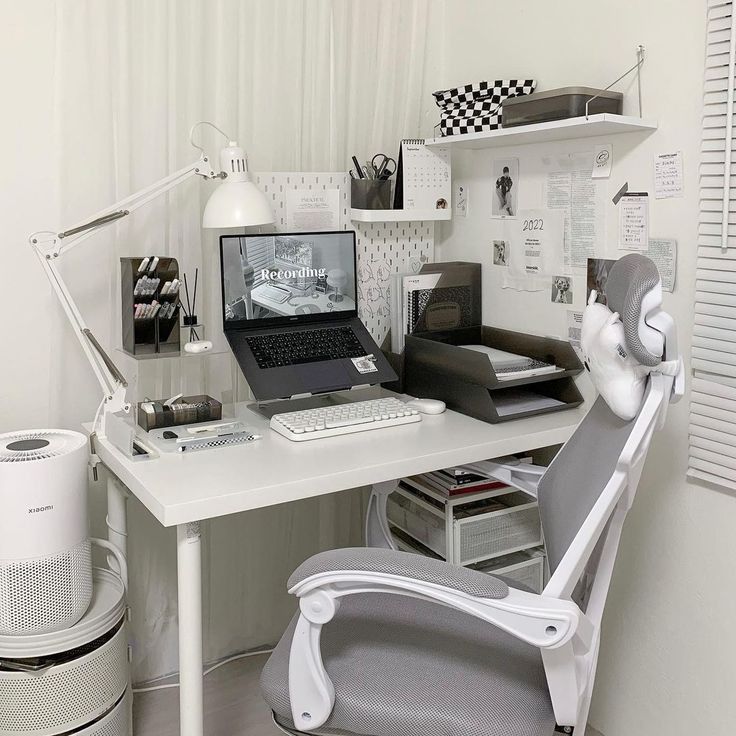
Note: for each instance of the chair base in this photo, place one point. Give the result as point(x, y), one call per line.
point(281, 728)
point(567, 730)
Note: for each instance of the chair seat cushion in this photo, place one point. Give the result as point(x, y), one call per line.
point(406, 667)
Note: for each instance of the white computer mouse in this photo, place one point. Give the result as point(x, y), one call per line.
point(427, 406)
point(198, 346)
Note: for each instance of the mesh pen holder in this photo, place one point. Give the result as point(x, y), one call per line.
point(370, 194)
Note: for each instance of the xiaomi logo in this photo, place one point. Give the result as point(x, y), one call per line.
point(40, 509)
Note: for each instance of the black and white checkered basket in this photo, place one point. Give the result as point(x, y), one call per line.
point(476, 108)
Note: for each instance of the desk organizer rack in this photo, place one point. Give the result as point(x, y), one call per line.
point(436, 367)
point(158, 334)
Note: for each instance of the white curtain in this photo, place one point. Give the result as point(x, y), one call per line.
point(302, 84)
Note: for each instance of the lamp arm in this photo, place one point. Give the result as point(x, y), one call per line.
point(54, 244)
point(49, 246)
point(106, 380)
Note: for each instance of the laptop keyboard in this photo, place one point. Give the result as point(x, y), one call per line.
point(292, 348)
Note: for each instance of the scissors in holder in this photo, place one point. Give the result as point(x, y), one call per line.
point(383, 165)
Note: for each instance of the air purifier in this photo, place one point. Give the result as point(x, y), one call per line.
point(75, 681)
point(45, 563)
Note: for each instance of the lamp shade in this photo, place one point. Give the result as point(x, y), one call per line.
point(237, 204)
point(337, 277)
point(237, 201)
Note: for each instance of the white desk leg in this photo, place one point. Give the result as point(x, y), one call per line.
point(117, 518)
point(189, 559)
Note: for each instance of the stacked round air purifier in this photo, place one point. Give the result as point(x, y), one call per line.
point(63, 645)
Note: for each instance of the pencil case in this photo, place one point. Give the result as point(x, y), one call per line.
point(185, 410)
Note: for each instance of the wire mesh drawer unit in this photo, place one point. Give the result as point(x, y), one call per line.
point(466, 529)
point(525, 568)
point(75, 680)
point(481, 534)
point(419, 519)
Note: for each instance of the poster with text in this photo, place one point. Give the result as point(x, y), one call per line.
point(536, 252)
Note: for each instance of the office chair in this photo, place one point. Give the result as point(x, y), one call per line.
point(388, 643)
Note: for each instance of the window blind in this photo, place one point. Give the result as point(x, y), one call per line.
point(260, 256)
point(712, 454)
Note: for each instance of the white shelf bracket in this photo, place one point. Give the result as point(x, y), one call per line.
point(637, 68)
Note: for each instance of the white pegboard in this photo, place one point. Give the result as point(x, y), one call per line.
point(275, 184)
point(384, 248)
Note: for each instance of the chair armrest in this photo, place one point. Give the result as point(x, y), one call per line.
point(372, 560)
point(523, 476)
point(323, 580)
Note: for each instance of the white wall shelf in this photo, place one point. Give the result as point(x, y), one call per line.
point(602, 124)
point(399, 215)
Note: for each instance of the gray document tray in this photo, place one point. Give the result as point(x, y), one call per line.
point(436, 367)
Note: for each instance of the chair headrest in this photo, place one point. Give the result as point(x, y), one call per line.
point(626, 340)
point(634, 290)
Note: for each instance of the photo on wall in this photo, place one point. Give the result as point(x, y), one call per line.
point(505, 176)
point(597, 276)
point(562, 290)
point(500, 252)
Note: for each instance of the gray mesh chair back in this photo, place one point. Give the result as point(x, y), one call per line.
point(577, 476)
point(580, 471)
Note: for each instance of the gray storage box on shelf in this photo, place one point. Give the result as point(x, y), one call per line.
point(559, 104)
point(436, 367)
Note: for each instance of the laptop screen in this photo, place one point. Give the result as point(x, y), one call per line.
point(287, 278)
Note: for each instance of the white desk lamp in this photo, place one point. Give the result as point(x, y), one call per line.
point(236, 202)
point(336, 278)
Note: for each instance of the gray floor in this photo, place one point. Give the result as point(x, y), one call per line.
point(233, 705)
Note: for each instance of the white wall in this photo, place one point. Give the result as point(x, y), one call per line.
point(666, 664)
point(28, 203)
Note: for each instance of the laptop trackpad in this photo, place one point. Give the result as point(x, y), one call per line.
point(324, 376)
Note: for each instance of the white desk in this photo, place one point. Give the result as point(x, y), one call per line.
point(300, 304)
point(183, 489)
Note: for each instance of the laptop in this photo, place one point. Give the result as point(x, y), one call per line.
point(290, 314)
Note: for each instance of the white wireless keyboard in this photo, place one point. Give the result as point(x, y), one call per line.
point(312, 424)
point(275, 293)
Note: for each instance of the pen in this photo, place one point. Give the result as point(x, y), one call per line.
point(209, 428)
point(358, 170)
point(194, 442)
